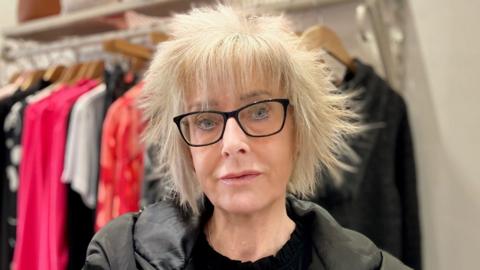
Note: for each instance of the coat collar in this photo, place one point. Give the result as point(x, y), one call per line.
point(164, 236)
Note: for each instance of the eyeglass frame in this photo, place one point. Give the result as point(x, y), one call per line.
point(227, 115)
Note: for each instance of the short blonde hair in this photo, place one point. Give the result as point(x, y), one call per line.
point(223, 46)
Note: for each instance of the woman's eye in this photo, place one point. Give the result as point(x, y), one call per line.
point(260, 113)
point(205, 124)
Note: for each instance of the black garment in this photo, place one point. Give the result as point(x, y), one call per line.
point(116, 85)
point(8, 215)
point(163, 235)
point(80, 229)
point(380, 199)
point(80, 224)
point(292, 256)
point(112, 79)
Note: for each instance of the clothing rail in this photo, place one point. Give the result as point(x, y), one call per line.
point(286, 5)
point(15, 50)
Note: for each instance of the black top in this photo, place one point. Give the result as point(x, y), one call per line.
point(294, 255)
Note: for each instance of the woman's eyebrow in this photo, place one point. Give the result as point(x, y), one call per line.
point(254, 94)
point(202, 105)
point(196, 106)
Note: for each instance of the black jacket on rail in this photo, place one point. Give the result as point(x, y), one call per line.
point(162, 237)
point(380, 199)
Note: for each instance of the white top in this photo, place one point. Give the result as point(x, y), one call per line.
point(83, 144)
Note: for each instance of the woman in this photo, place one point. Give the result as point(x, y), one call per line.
point(244, 116)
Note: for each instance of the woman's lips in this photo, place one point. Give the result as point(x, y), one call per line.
point(238, 178)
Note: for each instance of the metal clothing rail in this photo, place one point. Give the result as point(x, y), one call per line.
point(286, 5)
point(15, 51)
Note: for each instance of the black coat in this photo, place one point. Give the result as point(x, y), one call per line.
point(380, 199)
point(162, 237)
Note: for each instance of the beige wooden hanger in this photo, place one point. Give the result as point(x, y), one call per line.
point(320, 36)
point(127, 49)
point(53, 73)
point(95, 70)
point(69, 74)
point(157, 37)
point(32, 78)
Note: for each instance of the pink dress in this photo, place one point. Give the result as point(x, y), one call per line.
point(42, 203)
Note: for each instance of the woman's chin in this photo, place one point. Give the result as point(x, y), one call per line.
point(241, 205)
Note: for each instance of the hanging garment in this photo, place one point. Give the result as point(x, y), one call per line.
point(83, 140)
point(81, 172)
point(117, 84)
point(121, 159)
point(12, 129)
point(80, 229)
point(9, 155)
point(380, 199)
point(41, 241)
point(5, 106)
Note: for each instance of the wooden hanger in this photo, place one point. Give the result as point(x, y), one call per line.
point(319, 36)
point(95, 70)
point(157, 37)
point(53, 74)
point(32, 78)
point(70, 73)
point(82, 72)
point(89, 70)
point(74, 74)
point(14, 77)
point(128, 49)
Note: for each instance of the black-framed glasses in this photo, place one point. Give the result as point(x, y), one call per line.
point(259, 119)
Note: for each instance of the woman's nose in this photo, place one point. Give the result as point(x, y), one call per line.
point(234, 140)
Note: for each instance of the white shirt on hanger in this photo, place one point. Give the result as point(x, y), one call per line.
point(83, 145)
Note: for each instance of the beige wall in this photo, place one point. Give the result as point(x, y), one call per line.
point(8, 18)
point(443, 96)
point(8, 14)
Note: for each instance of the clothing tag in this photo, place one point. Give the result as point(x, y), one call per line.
point(337, 68)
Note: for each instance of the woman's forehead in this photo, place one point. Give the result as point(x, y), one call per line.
point(219, 98)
